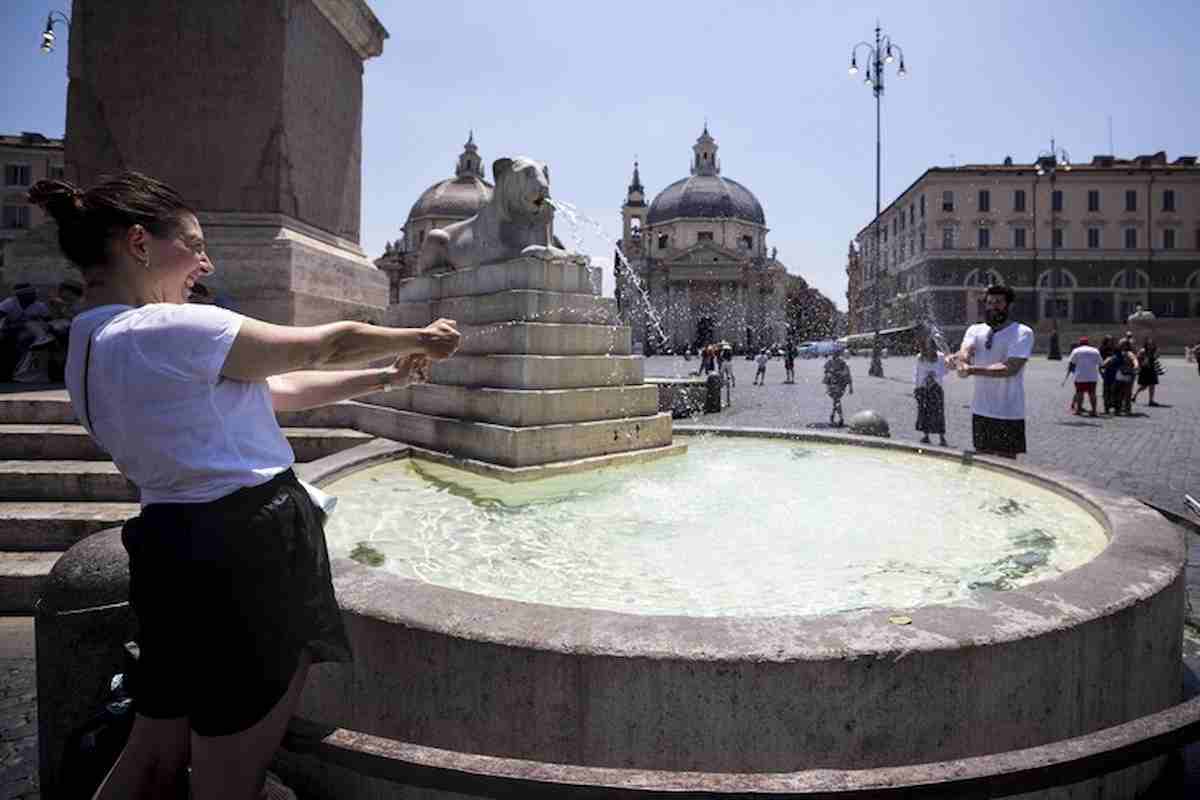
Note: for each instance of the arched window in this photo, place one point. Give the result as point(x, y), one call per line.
point(983, 278)
point(1065, 279)
point(663, 241)
point(1131, 279)
point(1193, 281)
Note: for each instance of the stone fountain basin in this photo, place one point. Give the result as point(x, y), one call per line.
point(1096, 647)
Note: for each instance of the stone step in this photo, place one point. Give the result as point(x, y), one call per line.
point(63, 480)
point(545, 339)
point(516, 446)
point(71, 442)
point(522, 408)
point(47, 526)
point(557, 275)
point(44, 407)
point(539, 372)
point(21, 578)
point(508, 306)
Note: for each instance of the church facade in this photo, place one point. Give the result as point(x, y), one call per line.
point(693, 266)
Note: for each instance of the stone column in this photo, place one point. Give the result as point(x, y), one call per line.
point(253, 111)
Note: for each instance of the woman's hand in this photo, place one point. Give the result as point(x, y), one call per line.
point(412, 368)
point(439, 339)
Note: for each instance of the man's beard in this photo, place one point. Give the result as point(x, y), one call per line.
point(996, 317)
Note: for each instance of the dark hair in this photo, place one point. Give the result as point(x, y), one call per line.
point(1007, 291)
point(87, 220)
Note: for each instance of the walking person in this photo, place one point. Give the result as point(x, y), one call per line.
point(1108, 346)
point(725, 358)
point(707, 359)
point(1149, 368)
point(1084, 361)
point(760, 374)
point(837, 380)
point(229, 574)
point(1124, 368)
point(995, 352)
point(928, 375)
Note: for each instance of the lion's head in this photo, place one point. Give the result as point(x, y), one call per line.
point(523, 187)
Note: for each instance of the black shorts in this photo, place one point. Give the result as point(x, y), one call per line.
point(998, 435)
point(227, 595)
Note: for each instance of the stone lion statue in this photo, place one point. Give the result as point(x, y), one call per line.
point(516, 221)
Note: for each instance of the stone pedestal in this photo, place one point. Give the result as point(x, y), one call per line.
point(253, 111)
point(544, 374)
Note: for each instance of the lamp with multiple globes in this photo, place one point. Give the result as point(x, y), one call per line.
point(48, 34)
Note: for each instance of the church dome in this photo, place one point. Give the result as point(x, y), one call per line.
point(705, 193)
point(459, 197)
point(706, 196)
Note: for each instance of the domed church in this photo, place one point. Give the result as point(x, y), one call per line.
point(701, 271)
point(447, 201)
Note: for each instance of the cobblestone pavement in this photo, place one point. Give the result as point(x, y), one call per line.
point(18, 711)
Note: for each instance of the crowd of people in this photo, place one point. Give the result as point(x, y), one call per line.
point(34, 333)
point(1117, 364)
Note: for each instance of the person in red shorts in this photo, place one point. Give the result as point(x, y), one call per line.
point(1085, 363)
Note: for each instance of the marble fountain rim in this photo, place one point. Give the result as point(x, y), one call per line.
point(1145, 555)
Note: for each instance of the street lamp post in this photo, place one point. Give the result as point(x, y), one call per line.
point(1048, 163)
point(48, 34)
point(877, 55)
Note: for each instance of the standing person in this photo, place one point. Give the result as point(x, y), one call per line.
point(789, 362)
point(760, 374)
point(995, 352)
point(725, 357)
point(928, 374)
point(1124, 368)
point(229, 573)
point(16, 312)
point(1084, 361)
point(1108, 346)
point(837, 380)
point(707, 359)
point(1149, 369)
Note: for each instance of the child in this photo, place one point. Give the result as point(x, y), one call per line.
point(837, 379)
point(760, 375)
point(928, 374)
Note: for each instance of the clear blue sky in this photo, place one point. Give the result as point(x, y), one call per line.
point(585, 86)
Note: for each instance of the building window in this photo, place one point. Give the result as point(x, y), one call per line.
point(922, 241)
point(1168, 238)
point(662, 241)
point(1058, 237)
point(985, 200)
point(704, 236)
point(1056, 200)
point(894, 223)
point(420, 238)
point(1168, 200)
point(948, 237)
point(748, 242)
point(985, 238)
point(16, 174)
point(1093, 199)
point(902, 219)
point(912, 215)
point(1019, 200)
point(947, 200)
point(1018, 238)
point(1131, 200)
point(56, 172)
point(922, 206)
point(1093, 238)
point(1131, 238)
point(16, 217)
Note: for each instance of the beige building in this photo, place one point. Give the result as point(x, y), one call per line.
point(27, 159)
point(698, 266)
point(1081, 244)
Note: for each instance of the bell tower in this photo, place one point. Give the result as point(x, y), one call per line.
point(633, 218)
point(469, 163)
point(705, 161)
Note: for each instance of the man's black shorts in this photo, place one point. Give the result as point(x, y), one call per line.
point(998, 435)
point(227, 594)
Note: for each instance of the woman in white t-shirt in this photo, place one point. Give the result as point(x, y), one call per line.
point(928, 374)
point(229, 572)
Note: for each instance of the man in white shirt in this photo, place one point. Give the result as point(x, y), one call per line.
point(1085, 363)
point(995, 352)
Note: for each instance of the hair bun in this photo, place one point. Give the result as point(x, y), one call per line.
point(60, 199)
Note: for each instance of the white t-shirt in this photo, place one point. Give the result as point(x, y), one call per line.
point(936, 368)
point(1087, 363)
point(158, 404)
point(761, 360)
point(999, 398)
